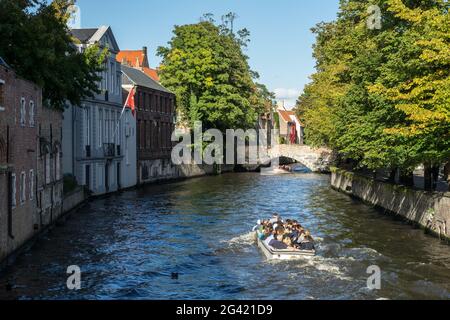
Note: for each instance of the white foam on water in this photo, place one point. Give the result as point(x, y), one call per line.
point(245, 239)
point(330, 265)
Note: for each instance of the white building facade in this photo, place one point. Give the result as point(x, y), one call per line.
point(99, 146)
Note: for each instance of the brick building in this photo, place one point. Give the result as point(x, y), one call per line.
point(155, 116)
point(20, 106)
point(49, 157)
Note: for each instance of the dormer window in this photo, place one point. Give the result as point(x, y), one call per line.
point(31, 113)
point(23, 112)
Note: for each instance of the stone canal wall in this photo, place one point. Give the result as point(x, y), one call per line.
point(73, 199)
point(430, 210)
point(163, 170)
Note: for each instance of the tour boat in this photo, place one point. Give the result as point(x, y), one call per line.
point(288, 254)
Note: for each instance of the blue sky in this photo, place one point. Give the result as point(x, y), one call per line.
point(281, 40)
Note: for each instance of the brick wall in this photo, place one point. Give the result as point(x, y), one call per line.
point(49, 158)
point(17, 227)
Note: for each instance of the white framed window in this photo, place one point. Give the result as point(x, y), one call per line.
point(119, 129)
point(2, 82)
point(13, 190)
point(23, 112)
point(113, 126)
point(23, 189)
point(100, 128)
point(47, 168)
point(112, 75)
point(31, 114)
point(58, 165)
point(105, 77)
point(87, 133)
point(107, 127)
point(31, 185)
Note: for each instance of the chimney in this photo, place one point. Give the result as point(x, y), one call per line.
point(145, 59)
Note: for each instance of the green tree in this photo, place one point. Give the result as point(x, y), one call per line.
point(36, 42)
point(380, 96)
point(205, 66)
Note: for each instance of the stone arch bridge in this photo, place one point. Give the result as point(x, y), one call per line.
point(317, 160)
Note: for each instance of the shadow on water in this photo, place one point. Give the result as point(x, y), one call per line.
point(130, 246)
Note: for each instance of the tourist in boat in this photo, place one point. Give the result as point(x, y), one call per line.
point(277, 240)
point(275, 219)
point(308, 242)
point(288, 241)
point(269, 236)
point(282, 235)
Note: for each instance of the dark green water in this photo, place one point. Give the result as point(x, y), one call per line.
point(128, 245)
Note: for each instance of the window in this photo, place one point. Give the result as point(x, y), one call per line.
point(118, 82)
point(139, 100)
point(58, 164)
point(108, 126)
point(150, 100)
point(113, 127)
point(13, 190)
point(31, 114)
point(47, 168)
point(31, 185)
point(100, 126)
point(105, 126)
point(22, 112)
point(112, 75)
point(119, 130)
point(105, 78)
point(87, 133)
point(2, 82)
point(22, 187)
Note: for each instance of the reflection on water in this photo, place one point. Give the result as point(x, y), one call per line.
point(128, 245)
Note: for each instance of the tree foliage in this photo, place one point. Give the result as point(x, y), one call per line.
point(206, 67)
point(381, 96)
point(36, 42)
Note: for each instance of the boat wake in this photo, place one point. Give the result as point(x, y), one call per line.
point(247, 239)
point(243, 243)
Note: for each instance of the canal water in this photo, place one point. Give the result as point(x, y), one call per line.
point(129, 245)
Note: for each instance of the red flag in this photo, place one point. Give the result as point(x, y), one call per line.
point(130, 101)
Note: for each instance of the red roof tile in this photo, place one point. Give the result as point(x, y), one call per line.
point(152, 73)
point(133, 58)
point(286, 116)
point(137, 59)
